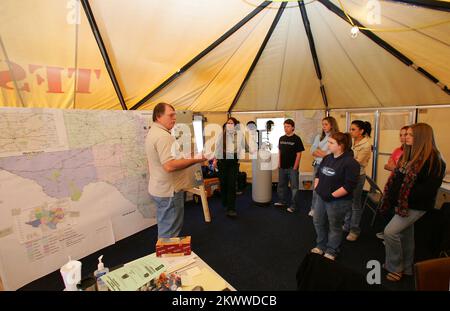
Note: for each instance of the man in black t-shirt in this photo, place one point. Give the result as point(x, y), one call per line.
point(290, 151)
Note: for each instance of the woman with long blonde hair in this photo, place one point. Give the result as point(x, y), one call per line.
point(319, 149)
point(411, 190)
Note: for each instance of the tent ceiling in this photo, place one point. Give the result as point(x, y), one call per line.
point(149, 41)
point(358, 72)
point(428, 47)
point(284, 77)
point(215, 78)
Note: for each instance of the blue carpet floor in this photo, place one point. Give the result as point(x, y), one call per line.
point(259, 250)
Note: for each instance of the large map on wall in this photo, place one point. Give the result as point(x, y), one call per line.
point(71, 183)
point(308, 123)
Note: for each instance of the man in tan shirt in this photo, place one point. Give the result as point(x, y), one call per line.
point(163, 169)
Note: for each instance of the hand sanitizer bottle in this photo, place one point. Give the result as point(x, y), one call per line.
point(101, 270)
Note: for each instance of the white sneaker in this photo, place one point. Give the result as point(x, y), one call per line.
point(352, 237)
point(311, 213)
point(317, 250)
point(290, 209)
point(329, 256)
point(279, 204)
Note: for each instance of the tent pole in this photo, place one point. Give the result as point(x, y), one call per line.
point(101, 46)
point(404, 59)
point(258, 55)
point(324, 95)
point(390, 108)
point(202, 54)
point(429, 4)
point(11, 72)
point(376, 140)
point(347, 121)
point(312, 48)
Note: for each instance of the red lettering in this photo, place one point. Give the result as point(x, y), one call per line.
point(84, 79)
point(54, 79)
point(32, 69)
point(53, 75)
point(18, 74)
point(97, 73)
point(70, 72)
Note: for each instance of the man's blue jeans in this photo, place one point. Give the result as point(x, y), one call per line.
point(287, 176)
point(169, 214)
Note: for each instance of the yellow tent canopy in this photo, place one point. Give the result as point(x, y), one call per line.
point(224, 55)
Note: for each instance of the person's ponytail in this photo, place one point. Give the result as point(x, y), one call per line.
point(365, 126)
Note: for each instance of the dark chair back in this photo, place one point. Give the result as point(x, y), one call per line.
point(375, 195)
point(433, 274)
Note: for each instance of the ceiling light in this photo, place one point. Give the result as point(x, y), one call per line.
point(354, 32)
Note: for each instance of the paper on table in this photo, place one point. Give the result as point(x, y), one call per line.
point(188, 274)
point(176, 263)
point(134, 274)
point(206, 279)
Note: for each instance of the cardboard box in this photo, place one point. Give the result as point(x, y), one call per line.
point(305, 181)
point(173, 246)
point(211, 184)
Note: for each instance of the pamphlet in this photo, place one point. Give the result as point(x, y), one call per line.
point(134, 275)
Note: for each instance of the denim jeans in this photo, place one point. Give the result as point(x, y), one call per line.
point(314, 194)
point(169, 214)
point(328, 218)
point(399, 241)
point(285, 176)
point(353, 215)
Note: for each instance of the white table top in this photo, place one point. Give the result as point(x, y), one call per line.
point(201, 273)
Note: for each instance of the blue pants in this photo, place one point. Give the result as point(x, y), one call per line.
point(287, 176)
point(314, 194)
point(353, 216)
point(169, 214)
point(328, 218)
point(399, 239)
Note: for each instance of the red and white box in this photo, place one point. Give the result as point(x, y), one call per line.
point(179, 246)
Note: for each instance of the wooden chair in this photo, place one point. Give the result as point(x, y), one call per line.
point(433, 274)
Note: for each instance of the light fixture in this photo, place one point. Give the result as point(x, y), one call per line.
point(354, 32)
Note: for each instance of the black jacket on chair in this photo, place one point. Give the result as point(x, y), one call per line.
point(317, 273)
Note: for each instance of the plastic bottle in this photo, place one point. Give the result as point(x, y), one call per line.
point(101, 270)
